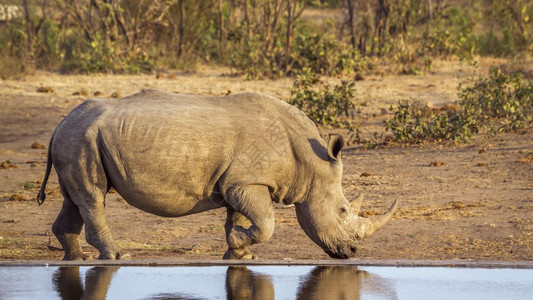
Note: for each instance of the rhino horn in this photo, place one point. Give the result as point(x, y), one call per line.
point(373, 224)
point(355, 204)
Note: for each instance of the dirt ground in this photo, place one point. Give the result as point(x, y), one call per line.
point(457, 202)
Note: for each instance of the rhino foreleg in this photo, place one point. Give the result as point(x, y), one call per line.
point(252, 203)
point(236, 221)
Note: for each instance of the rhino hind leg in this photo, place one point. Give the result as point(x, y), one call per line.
point(98, 234)
point(249, 205)
point(88, 196)
point(67, 228)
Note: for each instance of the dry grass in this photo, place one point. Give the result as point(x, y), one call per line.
point(206, 81)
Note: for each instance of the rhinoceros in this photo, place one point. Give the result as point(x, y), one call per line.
point(174, 155)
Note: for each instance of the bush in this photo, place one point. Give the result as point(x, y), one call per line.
point(13, 58)
point(259, 38)
point(504, 98)
point(510, 32)
point(251, 60)
point(499, 103)
point(414, 123)
point(450, 33)
point(322, 53)
point(316, 52)
point(329, 106)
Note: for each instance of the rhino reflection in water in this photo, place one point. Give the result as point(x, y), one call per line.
point(174, 155)
point(67, 282)
point(242, 283)
point(343, 282)
point(329, 282)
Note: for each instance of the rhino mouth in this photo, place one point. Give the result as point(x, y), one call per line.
point(342, 252)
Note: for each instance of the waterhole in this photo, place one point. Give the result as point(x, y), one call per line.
point(263, 282)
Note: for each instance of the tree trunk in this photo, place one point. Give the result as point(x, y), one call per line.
point(180, 28)
point(430, 9)
point(246, 18)
point(289, 34)
point(380, 29)
point(222, 34)
point(351, 22)
point(29, 29)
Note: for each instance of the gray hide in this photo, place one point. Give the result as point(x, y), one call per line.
point(174, 155)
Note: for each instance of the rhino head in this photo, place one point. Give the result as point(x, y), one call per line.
point(327, 217)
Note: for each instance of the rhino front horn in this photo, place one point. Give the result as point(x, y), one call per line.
point(373, 224)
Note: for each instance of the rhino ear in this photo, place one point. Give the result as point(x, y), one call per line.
point(335, 145)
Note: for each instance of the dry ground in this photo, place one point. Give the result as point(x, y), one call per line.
point(457, 202)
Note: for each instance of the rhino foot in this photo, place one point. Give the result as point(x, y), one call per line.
point(111, 256)
point(126, 256)
point(241, 253)
point(77, 256)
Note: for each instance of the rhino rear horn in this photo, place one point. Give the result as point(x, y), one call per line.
point(355, 204)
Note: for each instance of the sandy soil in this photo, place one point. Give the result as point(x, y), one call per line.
point(457, 202)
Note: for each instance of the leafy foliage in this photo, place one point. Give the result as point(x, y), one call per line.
point(251, 61)
point(329, 106)
point(512, 30)
point(105, 57)
point(450, 33)
point(316, 52)
point(506, 98)
point(266, 38)
point(500, 103)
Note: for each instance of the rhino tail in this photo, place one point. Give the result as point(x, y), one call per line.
point(41, 196)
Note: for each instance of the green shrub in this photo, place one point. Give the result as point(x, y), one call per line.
point(324, 54)
point(47, 44)
point(251, 61)
point(500, 103)
point(316, 52)
point(504, 98)
point(13, 54)
point(330, 106)
point(510, 31)
point(101, 56)
point(450, 33)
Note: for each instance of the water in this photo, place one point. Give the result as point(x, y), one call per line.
point(263, 282)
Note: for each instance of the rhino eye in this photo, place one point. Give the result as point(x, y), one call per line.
point(343, 211)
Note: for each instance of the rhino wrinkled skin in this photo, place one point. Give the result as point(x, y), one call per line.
point(174, 155)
